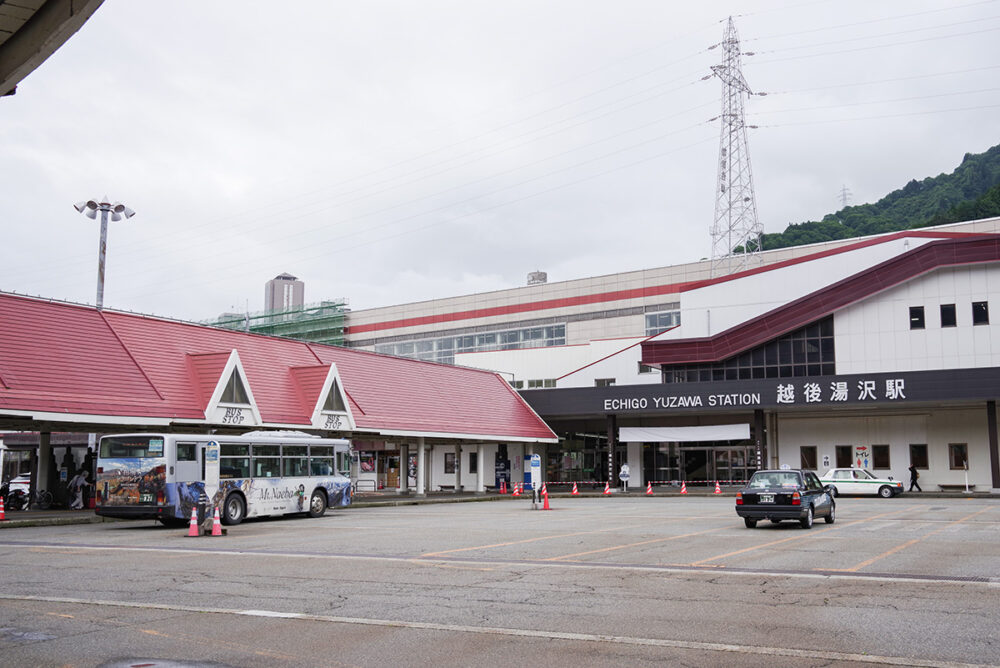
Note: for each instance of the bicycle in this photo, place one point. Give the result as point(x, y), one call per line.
point(42, 499)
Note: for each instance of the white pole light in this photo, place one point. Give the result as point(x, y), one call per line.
point(117, 211)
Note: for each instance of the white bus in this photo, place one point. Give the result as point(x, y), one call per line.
point(164, 476)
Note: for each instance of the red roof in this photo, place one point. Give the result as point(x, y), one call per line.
point(74, 363)
point(967, 249)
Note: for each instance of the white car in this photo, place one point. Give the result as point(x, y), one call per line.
point(860, 481)
point(21, 482)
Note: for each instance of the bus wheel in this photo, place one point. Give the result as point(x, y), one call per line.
point(317, 504)
point(233, 510)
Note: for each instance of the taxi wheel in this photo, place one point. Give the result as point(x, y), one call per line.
point(833, 491)
point(807, 521)
point(885, 492)
point(749, 522)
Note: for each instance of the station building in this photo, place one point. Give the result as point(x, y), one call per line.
point(876, 352)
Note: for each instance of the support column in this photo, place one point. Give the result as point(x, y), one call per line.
point(480, 469)
point(991, 421)
point(612, 444)
point(760, 439)
point(458, 468)
point(42, 480)
point(404, 469)
point(421, 467)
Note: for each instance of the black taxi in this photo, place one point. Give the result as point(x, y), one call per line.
point(785, 494)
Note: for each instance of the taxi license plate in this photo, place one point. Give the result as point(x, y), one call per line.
point(766, 498)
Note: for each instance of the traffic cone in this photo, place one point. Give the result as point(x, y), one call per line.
point(193, 525)
point(517, 490)
point(649, 488)
point(684, 487)
point(718, 490)
point(607, 488)
point(575, 491)
point(216, 524)
point(503, 486)
point(545, 495)
point(3, 515)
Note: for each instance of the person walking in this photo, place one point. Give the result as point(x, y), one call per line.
point(76, 486)
point(914, 474)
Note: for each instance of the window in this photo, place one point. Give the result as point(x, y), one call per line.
point(449, 462)
point(517, 384)
point(880, 457)
point(234, 460)
point(980, 313)
point(534, 384)
point(657, 322)
point(948, 315)
point(321, 459)
point(918, 455)
point(604, 382)
point(845, 456)
point(187, 452)
point(958, 456)
point(645, 368)
point(916, 317)
point(807, 457)
point(807, 351)
point(234, 393)
point(295, 461)
point(473, 462)
point(266, 461)
point(334, 402)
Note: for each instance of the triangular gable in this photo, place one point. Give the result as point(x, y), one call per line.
point(322, 386)
point(239, 408)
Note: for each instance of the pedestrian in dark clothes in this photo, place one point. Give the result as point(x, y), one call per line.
point(913, 478)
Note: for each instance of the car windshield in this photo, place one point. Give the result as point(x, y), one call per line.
point(774, 479)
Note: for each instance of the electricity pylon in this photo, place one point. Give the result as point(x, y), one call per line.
point(736, 232)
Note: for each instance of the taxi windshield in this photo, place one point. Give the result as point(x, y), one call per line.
point(764, 480)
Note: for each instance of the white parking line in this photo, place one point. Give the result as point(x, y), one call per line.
point(523, 633)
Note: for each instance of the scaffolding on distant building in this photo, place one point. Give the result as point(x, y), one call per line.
point(320, 323)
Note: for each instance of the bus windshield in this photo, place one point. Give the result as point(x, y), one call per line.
point(132, 447)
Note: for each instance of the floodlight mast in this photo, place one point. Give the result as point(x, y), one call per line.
point(117, 211)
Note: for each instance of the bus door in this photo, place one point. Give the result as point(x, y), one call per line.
point(188, 467)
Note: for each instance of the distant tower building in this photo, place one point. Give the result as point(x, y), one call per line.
point(736, 232)
point(284, 292)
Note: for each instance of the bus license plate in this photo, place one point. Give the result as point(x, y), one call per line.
point(145, 498)
point(766, 498)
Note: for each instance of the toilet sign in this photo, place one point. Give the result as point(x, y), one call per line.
point(536, 472)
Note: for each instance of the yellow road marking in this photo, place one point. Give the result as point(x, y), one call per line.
point(644, 542)
point(903, 546)
point(794, 538)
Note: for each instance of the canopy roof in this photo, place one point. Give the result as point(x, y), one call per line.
point(66, 366)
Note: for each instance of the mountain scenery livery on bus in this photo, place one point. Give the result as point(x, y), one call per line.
point(165, 476)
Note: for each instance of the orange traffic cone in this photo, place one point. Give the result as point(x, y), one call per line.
point(517, 490)
point(684, 487)
point(193, 525)
point(575, 491)
point(545, 495)
point(607, 488)
point(649, 488)
point(216, 524)
point(3, 515)
point(503, 486)
point(718, 490)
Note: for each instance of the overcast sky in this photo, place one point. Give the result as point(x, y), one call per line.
point(392, 151)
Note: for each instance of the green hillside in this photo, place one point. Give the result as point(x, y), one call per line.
point(971, 191)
